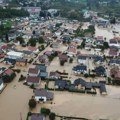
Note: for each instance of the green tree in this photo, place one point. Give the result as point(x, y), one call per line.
point(41, 40)
point(45, 111)
point(32, 42)
point(52, 116)
point(62, 63)
point(32, 103)
point(20, 39)
point(106, 45)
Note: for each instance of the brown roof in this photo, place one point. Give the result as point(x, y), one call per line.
point(54, 74)
point(33, 70)
point(73, 50)
point(114, 70)
point(63, 57)
point(33, 79)
point(117, 76)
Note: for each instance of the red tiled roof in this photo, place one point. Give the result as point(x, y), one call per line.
point(8, 72)
point(32, 48)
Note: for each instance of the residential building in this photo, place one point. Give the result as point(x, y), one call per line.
point(33, 80)
point(43, 95)
point(33, 72)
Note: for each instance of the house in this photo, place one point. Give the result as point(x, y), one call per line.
point(71, 51)
point(102, 89)
point(9, 61)
point(113, 52)
point(37, 116)
point(80, 69)
point(100, 71)
point(88, 86)
point(43, 59)
point(33, 72)
point(48, 53)
point(61, 84)
point(99, 40)
point(63, 57)
point(33, 49)
point(82, 59)
point(21, 62)
point(28, 53)
point(43, 75)
point(33, 80)
point(1, 85)
point(98, 59)
point(115, 62)
point(113, 42)
point(2, 55)
point(15, 55)
point(54, 75)
point(55, 45)
point(115, 72)
point(42, 68)
point(43, 95)
point(8, 72)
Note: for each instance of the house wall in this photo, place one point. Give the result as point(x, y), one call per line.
point(40, 97)
point(34, 75)
point(1, 86)
point(31, 83)
point(80, 61)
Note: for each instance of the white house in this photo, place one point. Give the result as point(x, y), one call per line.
point(82, 59)
point(15, 55)
point(1, 85)
point(43, 95)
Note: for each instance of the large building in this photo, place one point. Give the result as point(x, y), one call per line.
point(34, 11)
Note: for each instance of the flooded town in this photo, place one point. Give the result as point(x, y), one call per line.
point(58, 67)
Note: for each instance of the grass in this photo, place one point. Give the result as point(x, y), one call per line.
point(8, 23)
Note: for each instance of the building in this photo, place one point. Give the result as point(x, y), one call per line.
point(37, 116)
point(43, 95)
point(33, 11)
point(33, 72)
point(21, 62)
point(61, 84)
point(1, 85)
point(33, 80)
point(15, 55)
point(54, 75)
point(80, 69)
point(82, 59)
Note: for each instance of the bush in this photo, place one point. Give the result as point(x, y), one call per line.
point(52, 116)
point(32, 103)
point(71, 60)
point(30, 61)
point(16, 70)
point(62, 63)
point(77, 91)
point(22, 78)
point(45, 111)
point(86, 75)
point(91, 92)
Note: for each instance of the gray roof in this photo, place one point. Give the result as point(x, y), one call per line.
point(43, 92)
point(37, 116)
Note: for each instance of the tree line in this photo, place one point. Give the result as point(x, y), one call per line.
point(10, 13)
